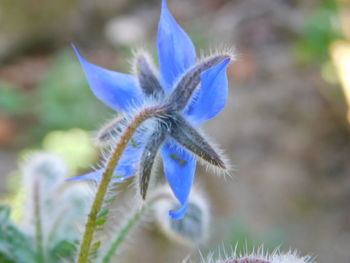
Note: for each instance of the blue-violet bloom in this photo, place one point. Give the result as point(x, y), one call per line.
point(191, 92)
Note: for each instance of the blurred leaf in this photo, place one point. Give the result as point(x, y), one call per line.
point(94, 250)
point(14, 245)
point(64, 249)
point(4, 214)
point(319, 32)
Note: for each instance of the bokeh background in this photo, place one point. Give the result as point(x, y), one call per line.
point(286, 127)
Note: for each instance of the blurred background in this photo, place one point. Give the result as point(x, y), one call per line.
point(286, 127)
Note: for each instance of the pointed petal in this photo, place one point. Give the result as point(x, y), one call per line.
point(192, 140)
point(97, 176)
point(117, 90)
point(147, 159)
point(211, 98)
point(184, 90)
point(92, 176)
point(147, 78)
point(179, 168)
point(176, 51)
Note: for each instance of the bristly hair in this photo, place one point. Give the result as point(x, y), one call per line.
point(217, 51)
point(221, 171)
point(258, 255)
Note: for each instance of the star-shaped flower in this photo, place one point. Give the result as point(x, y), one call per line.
point(190, 92)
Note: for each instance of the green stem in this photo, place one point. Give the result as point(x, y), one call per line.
point(90, 226)
point(38, 224)
point(122, 235)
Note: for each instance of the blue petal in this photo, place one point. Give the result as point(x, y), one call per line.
point(179, 214)
point(117, 90)
point(211, 98)
point(97, 175)
point(179, 168)
point(176, 51)
point(92, 176)
point(126, 168)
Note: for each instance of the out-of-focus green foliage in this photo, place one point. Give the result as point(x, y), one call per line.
point(12, 101)
point(65, 100)
point(15, 246)
point(62, 207)
point(63, 249)
point(320, 30)
point(62, 100)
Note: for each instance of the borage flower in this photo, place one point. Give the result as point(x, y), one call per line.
point(190, 92)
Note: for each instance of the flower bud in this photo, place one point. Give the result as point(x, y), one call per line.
point(48, 169)
point(43, 175)
point(190, 230)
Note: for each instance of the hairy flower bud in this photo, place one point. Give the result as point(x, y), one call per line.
point(192, 229)
point(47, 168)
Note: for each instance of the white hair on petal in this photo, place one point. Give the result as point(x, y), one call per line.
point(143, 52)
point(225, 172)
point(218, 51)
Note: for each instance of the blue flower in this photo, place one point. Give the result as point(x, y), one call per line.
point(192, 92)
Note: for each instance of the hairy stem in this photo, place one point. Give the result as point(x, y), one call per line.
point(38, 223)
point(122, 234)
point(90, 226)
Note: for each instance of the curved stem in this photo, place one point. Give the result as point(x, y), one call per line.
point(122, 235)
point(90, 226)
